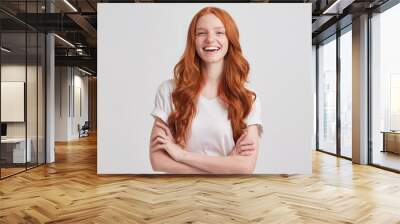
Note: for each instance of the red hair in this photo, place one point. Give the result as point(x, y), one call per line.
point(189, 81)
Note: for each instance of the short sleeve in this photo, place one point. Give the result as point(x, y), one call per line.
point(254, 117)
point(163, 101)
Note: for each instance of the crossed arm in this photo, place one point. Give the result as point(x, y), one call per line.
point(166, 156)
point(162, 161)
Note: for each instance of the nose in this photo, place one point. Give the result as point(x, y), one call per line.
point(210, 37)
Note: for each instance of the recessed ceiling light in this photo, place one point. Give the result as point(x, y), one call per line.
point(84, 71)
point(337, 7)
point(70, 5)
point(64, 40)
point(5, 50)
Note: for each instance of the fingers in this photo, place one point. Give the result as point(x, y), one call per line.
point(158, 135)
point(246, 142)
point(159, 140)
point(162, 126)
point(165, 128)
point(246, 153)
point(240, 142)
point(243, 151)
point(246, 147)
point(157, 147)
point(242, 137)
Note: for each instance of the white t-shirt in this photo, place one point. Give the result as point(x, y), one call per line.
point(211, 132)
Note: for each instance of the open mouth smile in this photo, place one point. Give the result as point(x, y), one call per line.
point(211, 49)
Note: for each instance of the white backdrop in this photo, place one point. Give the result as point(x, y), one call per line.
point(138, 46)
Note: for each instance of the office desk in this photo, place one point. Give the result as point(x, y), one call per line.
point(13, 150)
point(391, 141)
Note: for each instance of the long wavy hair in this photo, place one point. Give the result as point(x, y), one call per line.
point(189, 81)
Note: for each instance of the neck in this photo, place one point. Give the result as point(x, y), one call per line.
point(212, 72)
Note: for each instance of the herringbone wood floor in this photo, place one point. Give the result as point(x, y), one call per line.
point(70, 191)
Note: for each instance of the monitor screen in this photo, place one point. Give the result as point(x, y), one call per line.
point(3, 129)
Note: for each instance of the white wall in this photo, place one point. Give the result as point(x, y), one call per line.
point(80, 83)
point(61, 103)
point(68, 81)
point(136, 55)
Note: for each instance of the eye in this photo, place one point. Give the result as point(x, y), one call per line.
point(201, 33)
point(220, 33)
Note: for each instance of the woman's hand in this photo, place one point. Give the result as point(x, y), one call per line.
point(166, 130)
point(244, 146)
point(163, 142)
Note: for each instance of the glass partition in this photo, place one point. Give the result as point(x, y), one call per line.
point(385, 89)
point(22, 77)
point(13, 109)
point(31, 100)
point(346, 94)
point(327, 96)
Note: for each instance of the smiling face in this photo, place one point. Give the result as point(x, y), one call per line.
point(211, 40)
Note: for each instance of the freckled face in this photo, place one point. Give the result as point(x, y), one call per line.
point(211, 40)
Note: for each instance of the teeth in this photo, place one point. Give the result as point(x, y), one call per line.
point(211, 48)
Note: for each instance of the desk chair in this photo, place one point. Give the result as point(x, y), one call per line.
point(84, 130)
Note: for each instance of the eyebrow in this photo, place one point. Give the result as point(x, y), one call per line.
point(215, 28)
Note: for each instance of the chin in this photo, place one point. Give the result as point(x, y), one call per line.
point(212, 60)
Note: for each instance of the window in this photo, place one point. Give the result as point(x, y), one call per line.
point(327, 96)
point(385, 88)
point(346, 93)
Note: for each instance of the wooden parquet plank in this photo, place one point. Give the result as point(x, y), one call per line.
point(70, 191)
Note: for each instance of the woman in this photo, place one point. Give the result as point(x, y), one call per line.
point(206, 121)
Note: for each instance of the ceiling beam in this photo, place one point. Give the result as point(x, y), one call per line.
point(86, 26)
point(85, 61)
